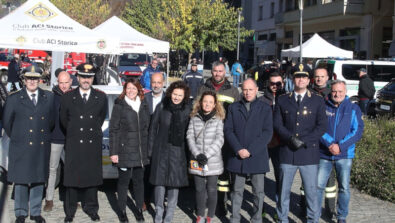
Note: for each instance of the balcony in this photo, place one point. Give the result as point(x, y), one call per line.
point(337, 8)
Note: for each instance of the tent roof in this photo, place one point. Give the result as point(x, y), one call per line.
point(317, 47)
point(39, 25)
point(131, 40)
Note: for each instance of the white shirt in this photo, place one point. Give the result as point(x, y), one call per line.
point(30, 95)
point(87, 94)
point(302, 94)
point(156, 100)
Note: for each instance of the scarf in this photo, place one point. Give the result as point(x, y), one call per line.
point(206, 117)
point(216, 85)
point(134, 104)
point(177, 127)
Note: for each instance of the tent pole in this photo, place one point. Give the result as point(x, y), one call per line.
point(167, 69)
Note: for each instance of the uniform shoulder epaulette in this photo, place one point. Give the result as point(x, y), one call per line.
point(98, 90)
point(13, 92)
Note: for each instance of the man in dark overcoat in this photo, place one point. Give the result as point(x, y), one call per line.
point(300, 121)
point(28, 121)
point(248, 129)
point(82, 113)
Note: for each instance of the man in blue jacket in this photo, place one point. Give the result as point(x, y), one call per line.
point(145, 79)
point(300, 121)
point(248, 132)
point(337, 145)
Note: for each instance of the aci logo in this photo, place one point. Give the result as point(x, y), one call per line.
point(101, 44)
point(41, 12)
point(21, 40)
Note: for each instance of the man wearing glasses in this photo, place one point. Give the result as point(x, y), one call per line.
point(274, 89)
point(145, 79)
point(28, 121)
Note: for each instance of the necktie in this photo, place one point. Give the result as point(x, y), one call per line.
point(299, 99)
point(34, 99)
point(84, 97)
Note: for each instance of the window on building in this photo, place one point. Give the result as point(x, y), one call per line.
point(272, 10)
point(328, 36)
point(289, 5)
point(272, 37)
point(280, 6)
point(349, 32)
point(262, 37)
point(386, 41)
point(289, 34)
point(260, 13)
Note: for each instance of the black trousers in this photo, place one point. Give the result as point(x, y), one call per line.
point(206, 194)
point(123, 185)
point(89, 201)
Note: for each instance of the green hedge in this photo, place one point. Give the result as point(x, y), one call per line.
point(373, 170)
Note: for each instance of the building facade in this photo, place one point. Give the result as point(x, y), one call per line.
point(363, 26)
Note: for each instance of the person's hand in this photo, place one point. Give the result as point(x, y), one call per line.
point(297, 143)
point(202, 159)
point(334, 149)
point(114, 158)
point(243, 153)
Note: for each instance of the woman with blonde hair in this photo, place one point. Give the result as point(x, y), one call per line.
point(205, 137)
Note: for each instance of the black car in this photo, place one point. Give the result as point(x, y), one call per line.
point(385, 102)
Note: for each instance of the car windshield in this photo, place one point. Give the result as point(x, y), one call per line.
point(390, 86)
point(5, 57)
point(134, 59)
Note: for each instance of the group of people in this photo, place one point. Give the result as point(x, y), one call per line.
point(220, 136)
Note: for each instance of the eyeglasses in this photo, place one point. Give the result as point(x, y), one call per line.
point(277, 84)
point(31, 79)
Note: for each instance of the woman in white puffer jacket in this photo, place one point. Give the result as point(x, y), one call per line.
point(205, 137)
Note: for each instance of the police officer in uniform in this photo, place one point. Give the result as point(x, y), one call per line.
point(300, 121)
point(82, 113)
point(28, 121)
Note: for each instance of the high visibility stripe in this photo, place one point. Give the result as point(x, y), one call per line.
point(302, 192)
point(223, 189)
point(256, 76)
point(224, 98)
point(223, 182)
point(330, 189)
point(330, 195)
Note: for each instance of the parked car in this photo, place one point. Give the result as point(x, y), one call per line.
point(381, 73)
point(133, 64)
point(385, 102)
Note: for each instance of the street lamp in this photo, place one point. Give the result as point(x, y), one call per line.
point(301, 30)
point(238, 32)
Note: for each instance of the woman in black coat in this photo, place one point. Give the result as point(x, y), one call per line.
point(167, 139)
point(129, 125)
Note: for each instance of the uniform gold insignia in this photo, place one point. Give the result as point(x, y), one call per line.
point(304, 112)
point(301, 67)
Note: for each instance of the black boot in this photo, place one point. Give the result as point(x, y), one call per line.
point(123, 218)
point(139, 215)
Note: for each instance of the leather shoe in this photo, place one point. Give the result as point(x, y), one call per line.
point(94, 217)
point(37, 219)
point(123, 218)
point(48, 206)
point(139, 215)
point(20, 219)
point(68, 219)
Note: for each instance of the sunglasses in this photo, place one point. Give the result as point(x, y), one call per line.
point(278, 84)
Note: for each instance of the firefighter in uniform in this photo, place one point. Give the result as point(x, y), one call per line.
point(28, 121)
point(226, 94)
point(300, 121)
point(82, 113)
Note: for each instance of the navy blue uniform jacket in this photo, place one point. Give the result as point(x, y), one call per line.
point(251, 130)
point(308, 122)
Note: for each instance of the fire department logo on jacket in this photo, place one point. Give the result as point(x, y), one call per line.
point(41, 12)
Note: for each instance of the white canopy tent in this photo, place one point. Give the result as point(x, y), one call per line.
point(317, 47)
point(131, 40)
point(39, 25)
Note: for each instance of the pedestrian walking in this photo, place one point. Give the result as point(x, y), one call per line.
point(13, 73)
point(145, 79)
point(237, 71)
point(300, 121)
point(194, 80)
point(28, 120)
point(130, 119)
point(248, 132)
point(167, 143)
point(366, 90)
point(337, 145)
point(205, 137)
point(82, 113)
point(57, 138)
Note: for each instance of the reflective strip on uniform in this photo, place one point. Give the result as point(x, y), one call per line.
point(330, 189)
point(223, 182)
point(330, 195)
point(256, 76)
point(302, 191)
point(223, 189)
point(224, 98)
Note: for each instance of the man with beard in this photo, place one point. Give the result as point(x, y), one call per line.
point(154, 97)
point(82, 113)
point(227, 94)
point(274, 89)
point(57, 138)
point(28, 121)
point(320, 85)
